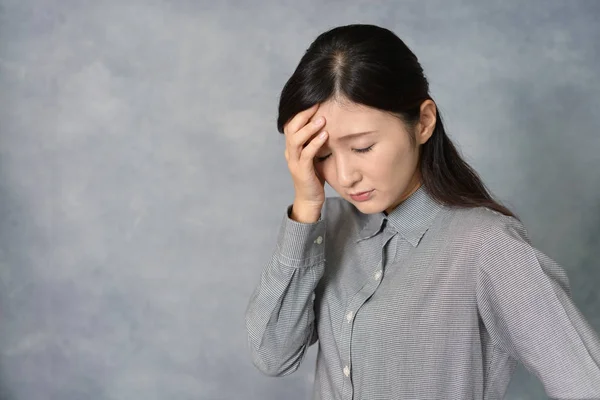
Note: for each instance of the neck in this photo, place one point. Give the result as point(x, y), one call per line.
point(413, 188)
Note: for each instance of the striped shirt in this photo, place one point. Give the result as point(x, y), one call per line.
point(428, 302)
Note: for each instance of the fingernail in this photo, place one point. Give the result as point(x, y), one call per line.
point(318, 121)
point(323, 134)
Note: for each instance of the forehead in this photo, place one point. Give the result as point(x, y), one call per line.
point(346, 116)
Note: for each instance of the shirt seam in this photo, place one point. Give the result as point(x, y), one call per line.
point(480, 270)
point(307, 261)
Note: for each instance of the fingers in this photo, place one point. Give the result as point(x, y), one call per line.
point(310, 151)
point(303, 139)
point(300, 119)
point(297, 140)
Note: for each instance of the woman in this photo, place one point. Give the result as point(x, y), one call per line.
point(415, 282)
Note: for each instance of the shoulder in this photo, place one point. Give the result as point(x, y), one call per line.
point(481, 224)
point(500, 243)
point(493, 242)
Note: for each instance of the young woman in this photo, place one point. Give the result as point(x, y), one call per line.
point(415, 282)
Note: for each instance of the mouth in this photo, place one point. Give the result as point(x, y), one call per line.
point(361, 196)
point(359, 193)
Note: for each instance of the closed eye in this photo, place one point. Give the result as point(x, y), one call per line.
point(321, 159)
point(364, 150)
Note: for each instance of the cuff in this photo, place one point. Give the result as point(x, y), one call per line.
point(301, 244)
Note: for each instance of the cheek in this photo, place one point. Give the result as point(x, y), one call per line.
point(392, 166)
point(327, 172)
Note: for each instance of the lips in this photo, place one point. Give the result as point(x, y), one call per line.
point(359, 193)
point(362, 196)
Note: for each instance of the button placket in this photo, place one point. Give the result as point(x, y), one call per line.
point(346, 332)
point(357, 301)
point(347, 327)
point(346, 338)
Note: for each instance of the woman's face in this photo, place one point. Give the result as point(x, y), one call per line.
point(369, 150)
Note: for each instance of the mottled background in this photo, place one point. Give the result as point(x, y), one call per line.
point(142, 180)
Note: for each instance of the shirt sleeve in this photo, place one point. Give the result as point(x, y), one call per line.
point(525, 302)
point(280, 319)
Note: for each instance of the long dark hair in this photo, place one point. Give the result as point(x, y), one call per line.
point(370, 65)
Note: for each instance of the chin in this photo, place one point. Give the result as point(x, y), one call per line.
point(369, 207)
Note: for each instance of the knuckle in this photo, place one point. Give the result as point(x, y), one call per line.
point(292, 126)
point(305, 157)
point(289, 127)
point(295, 141)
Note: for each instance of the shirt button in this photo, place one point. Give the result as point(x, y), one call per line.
point(319, 240)
point(347, 371)
point(377, 275)
point(349, 316)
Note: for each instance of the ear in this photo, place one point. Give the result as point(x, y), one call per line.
point(427, 118)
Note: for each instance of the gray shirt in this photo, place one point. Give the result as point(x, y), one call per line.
point(430, 302)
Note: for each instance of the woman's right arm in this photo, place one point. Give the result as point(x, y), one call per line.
point(280, 319)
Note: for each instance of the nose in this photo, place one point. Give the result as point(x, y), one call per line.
point(347, 174)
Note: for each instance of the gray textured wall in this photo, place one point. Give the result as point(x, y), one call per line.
point(142, 180)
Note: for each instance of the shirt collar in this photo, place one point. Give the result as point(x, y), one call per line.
point(411, 219)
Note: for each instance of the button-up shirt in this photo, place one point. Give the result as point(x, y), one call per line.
point(428, 302)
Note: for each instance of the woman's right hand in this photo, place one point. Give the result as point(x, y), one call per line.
point(301, 147)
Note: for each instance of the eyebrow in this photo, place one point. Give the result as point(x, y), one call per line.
point(353, 135)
